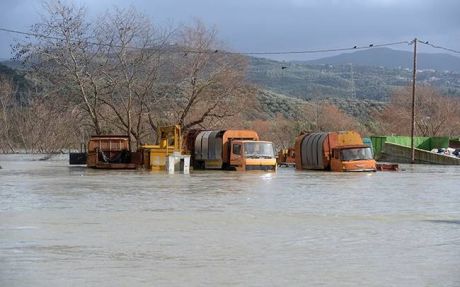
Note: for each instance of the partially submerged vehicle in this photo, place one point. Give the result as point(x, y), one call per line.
point(220, 149)
point(110, 152)
point(155, 157)
point(335, 151)
point(230, 149)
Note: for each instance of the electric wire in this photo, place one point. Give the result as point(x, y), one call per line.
point(313, 51)
point(38, 35)
point(438, 47)
point(187, 51)
point(326, 50)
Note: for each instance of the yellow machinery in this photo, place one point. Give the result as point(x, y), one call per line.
point(170, 140)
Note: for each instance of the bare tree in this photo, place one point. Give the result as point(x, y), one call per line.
point(34, 124)
point(122, 74)
point(279, 130)
point(324, 116)
point(436, 115)
point(133, 62)
point(7, 104)
point(205, 84)
point(63, 55)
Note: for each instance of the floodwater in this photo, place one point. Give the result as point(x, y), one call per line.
point(72, 226)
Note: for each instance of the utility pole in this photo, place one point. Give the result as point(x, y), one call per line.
point(414, 71)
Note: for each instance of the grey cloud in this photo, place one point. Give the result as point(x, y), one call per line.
point(269, 25)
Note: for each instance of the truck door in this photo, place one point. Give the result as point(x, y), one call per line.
point(235, 154)
point(336, 162)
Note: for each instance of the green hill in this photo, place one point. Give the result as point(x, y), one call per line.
point(314, 81)
point(389, 58)
point(292, 108)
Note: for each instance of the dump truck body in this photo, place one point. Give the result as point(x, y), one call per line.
point(336, 151)
point(230, 149)
point(111, 152)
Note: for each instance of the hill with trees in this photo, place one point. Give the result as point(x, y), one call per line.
point(312, 81)
point(393, 59)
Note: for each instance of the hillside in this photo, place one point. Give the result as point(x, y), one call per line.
point(292, 108)
point(313, 81)
point(357, 89)
point(389, 58)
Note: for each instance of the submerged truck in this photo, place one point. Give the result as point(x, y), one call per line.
point(335, 151)
point(229, 149)
point(107, 152)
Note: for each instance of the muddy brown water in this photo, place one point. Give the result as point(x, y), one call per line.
point(72, 226)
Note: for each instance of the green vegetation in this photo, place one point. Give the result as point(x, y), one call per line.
point(307, 81)
point(273, 104)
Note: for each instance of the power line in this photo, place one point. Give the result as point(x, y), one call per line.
point(38, 35)
point(327, 50)
point(438, 47)
point(186, 51)
point(30, 34)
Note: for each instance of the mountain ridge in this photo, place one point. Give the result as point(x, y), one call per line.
point(390, 58)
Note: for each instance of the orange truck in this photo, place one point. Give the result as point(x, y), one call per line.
point(335, 151)
point(229, 149)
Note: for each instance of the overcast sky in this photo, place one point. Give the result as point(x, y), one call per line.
point(280, 25)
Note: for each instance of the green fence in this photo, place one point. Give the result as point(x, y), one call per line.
point(424, 143)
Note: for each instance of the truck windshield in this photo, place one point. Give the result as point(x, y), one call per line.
point(356, 154)
point(258, 149)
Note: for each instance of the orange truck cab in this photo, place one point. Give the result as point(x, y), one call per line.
point(230, 149)
point(252, 155)
point(335, 151)
point(352, 158)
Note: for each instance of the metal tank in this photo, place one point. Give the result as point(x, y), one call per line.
point(311, 151)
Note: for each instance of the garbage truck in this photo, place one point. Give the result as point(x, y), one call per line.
point(335, 151)
point(229, 149)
